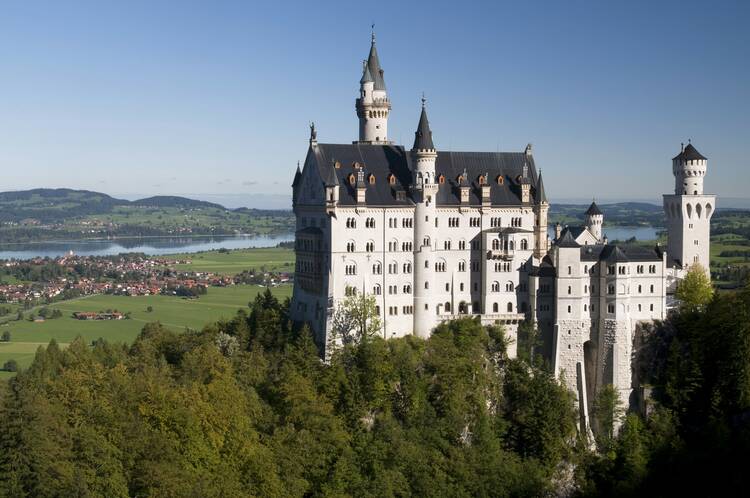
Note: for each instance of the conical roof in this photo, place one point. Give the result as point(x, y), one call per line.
point(297, 176)
point(567, 240)
point(690, 153)
point(541, 195)
point(423, 135)
point(366, 75)
point(593, 210)
point(373, 65)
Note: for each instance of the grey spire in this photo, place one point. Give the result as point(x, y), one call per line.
point(297, 176)
point(423, 135)
point(373, 65)
point(541, 195)
point(366, 75)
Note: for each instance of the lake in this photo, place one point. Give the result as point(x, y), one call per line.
point(149, 245)
point(155, 246)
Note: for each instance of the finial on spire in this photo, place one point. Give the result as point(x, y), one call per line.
point(424, 100)
point(313, 133)
point(372, 32)
point(682, 146)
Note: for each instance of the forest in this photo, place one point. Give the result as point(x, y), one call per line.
point(245, 407)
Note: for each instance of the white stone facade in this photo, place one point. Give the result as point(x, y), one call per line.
point(437, 235)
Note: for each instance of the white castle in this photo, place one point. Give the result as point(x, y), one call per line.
point(438, 235)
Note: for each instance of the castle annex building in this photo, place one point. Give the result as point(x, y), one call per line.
point(435, 235)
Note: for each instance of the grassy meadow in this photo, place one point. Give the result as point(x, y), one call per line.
point(235, 261)
point(174, 312)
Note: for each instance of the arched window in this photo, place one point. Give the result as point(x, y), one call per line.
point(441, 179)
point(524, 245)
point(391, 179)
point(500, 180)
point(352, 179)
point(481, 180)
point(495, 308)
point(376, 289)
point(495, 244)
point(510, 307)
point(371, 179)
point(447, 307)
point(495, 286)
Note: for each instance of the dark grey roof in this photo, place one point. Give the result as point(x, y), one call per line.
point(593, 210)
point(541, 195)
point(575, 232)
point(366, 75)
point(379, 160)
point(613, 253)
point(373, 64)
point(385, 160)
point(423, 135)
point(689, 153)
point(508, 165)
point(566, 240)
point(627, 252)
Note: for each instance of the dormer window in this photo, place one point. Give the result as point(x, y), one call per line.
point(460, 179)
point(371, 179)
point(391, 179)
point(441, 179)
point(482, 180)
point(500, 179)
point(355, 165)
point(352, 179)
point(337, 165)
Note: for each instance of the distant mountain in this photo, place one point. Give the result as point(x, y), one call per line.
point(57, 205)
point(174, 201)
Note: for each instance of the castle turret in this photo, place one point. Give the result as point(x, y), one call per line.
point(424, 191)
point(373, 105)
point(689, 211)
point(594, 219)
point(541, 210)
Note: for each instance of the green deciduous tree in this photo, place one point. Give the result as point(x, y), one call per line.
point(355, 319)
point(695, 290)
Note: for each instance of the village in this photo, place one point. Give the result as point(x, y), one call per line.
point(47, 280)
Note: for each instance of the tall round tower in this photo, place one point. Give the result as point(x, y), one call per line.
point(424, 191)
point(373, 105)
point(594, 220)
point(688, 211)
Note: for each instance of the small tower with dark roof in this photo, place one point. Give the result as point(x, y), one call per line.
point(373, 105)
point(424, 191)
point(594, 219)
point(541, 210)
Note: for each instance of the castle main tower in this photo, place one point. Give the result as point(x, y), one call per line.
point(373, 105)
point(689, 211)
point(424, 191)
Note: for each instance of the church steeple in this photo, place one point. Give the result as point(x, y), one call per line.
point(373, 105)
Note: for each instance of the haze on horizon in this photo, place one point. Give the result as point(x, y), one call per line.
point(214, 100)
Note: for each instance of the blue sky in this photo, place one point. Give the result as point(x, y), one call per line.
point(213, 99)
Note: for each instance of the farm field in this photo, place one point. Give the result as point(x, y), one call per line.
point(233, 262)
point(173, 312)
